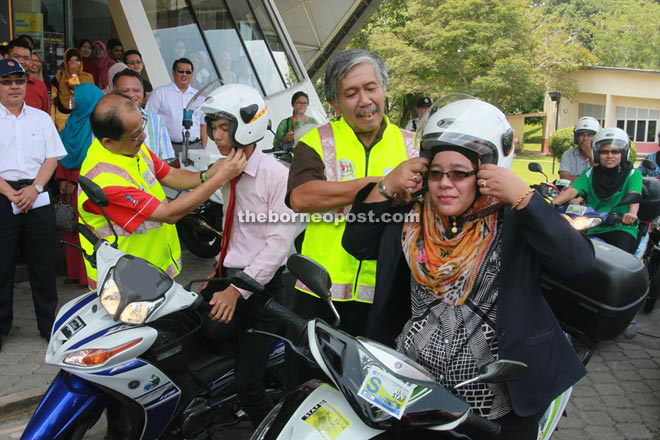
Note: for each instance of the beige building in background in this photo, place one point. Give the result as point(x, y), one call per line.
point(625, 98)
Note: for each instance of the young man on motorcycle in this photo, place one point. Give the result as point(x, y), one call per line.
point(131, 176)
point(579, 158)
point(236, 119)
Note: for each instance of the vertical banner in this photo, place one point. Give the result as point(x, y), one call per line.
point(53, 51)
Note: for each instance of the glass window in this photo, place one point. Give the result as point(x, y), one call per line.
point(178, 37)
point(653, 128)
point(224, 43)
point(620, 123)
point(280, 53)
point(641, 131)
point(630, 128)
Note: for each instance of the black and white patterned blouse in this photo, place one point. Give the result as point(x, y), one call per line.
point(453, 342)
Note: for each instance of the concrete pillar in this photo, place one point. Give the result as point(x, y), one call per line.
point(610, 111)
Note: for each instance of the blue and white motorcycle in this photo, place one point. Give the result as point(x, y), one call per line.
point(138, 340)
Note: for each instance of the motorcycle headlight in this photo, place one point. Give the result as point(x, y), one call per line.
point(656, 223)
point(134, 312)
point(582, 223)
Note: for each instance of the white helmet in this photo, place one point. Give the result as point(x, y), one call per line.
point(613, 136)
point(466, 122)
point(245, 109)
point(585, 123)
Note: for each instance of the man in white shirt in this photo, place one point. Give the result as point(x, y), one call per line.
point(579, 158)
point(170, 100)
point(29, 149)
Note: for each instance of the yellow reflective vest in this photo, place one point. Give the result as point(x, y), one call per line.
point(346, 158)
point(154, 241)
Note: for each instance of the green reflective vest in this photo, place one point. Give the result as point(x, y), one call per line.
point(345, 158)
point(154, 241)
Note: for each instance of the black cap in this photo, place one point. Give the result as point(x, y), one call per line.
point(424, 102)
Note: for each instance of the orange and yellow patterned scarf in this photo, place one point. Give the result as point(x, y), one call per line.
point(445, 263)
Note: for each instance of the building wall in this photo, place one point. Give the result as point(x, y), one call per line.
point(609, 88)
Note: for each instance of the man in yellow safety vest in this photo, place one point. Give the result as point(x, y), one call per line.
point(131, 176)
point(331, 164)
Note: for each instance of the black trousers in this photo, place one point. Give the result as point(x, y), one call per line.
point(34, 234)
point(353, 321)
point(251, 349)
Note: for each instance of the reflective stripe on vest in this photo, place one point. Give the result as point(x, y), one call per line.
point(353, 280)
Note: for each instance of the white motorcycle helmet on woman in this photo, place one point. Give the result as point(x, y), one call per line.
point(615, 137)
point(243, 107)
point(465, 122)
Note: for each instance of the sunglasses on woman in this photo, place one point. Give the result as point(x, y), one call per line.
point(614, 151)
point(454, 176)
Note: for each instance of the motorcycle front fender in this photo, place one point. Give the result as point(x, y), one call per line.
point(68, 400)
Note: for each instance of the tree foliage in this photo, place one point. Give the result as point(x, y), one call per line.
point(508, 52)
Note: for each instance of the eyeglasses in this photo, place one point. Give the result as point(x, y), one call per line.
point(139, 136)
point(454, 176)
point(614, 152)
point(181, 72)
point(9, 81)
point(134, 62)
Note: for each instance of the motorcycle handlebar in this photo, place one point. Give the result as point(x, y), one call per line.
point(486, 426)
point(89, 235)
point(281, 313)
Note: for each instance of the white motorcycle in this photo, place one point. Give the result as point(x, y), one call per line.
point(139, 340)
point(375, 392)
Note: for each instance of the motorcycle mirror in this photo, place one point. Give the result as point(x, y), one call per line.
point(311, 274)
point(315, 277)
point(98, 197)
point(502, 370)
point(649, 165)
point(535, 167)
point(93, 191)
point(630, 198)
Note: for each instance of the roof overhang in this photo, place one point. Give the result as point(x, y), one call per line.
point(321, 28)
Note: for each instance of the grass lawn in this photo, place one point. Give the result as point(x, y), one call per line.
point(520, 167)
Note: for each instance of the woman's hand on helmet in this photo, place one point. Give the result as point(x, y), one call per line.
point(501, 183)
point(406, 178)
point(226, 169)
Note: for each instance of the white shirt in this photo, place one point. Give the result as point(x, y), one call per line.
point(413, 124)
point(26, 142)
point(573, 162)
point(168, 102)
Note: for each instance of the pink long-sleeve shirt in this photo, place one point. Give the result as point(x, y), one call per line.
point(263, 226)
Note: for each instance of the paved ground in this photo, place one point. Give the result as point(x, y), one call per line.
point(619, 398)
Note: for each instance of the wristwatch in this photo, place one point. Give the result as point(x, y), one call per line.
point(38, 187)
point(383, 191)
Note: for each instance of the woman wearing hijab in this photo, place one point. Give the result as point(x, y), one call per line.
point(458, 277)
point(604, 185)
point(101, 62)
point(77, 137)
point(112, 71)
point(85, 48)
point(63, 85)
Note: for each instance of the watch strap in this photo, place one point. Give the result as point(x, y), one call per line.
point(383, 191)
